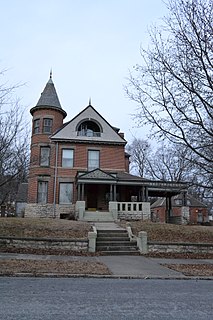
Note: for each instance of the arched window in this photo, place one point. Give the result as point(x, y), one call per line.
point(89, 129)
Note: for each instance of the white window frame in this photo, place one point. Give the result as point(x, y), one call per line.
point(44, 159)
point(93, 160)
point(42, 192)
point(67, 162)
point(36, 126)
point(66, 187)
point(47, 125)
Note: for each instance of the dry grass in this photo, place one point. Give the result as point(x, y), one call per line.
point(38, 267)
point(56, 228)
point(43, 228)
point(173, 233)
point(192, 269)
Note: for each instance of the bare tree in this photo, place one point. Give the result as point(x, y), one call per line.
point(174, 85)
point(170, 162)
point(139, 150)
point(14, 143)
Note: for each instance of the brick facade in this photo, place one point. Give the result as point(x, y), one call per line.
point(94, 168)
point(112, 158)
point(198, 214)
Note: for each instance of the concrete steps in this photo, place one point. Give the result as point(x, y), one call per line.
point(98, 216)
point(115, 242)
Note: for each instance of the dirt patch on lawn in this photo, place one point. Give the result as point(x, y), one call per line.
point(43, 228)
point(38, 267)
point(192, 269)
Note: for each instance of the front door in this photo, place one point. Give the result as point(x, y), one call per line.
point(92, 197)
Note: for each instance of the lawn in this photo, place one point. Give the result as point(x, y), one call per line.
point(43, 228)
point(56, 228)
point(39, 267)
point(165, 232)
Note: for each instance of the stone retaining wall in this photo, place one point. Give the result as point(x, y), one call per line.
point(47, 210)
point(77, 245)
point(164, 247)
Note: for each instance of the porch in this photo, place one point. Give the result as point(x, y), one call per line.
point(120, 195)
point(116, 211)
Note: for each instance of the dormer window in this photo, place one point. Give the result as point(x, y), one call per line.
point(89, 129)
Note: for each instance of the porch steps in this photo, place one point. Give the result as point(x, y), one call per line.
point(98, 216)
point(115, 242)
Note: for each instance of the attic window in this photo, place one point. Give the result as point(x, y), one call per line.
point(89, 129)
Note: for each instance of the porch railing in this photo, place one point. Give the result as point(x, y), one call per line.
point(134, 210)
point(129, 207)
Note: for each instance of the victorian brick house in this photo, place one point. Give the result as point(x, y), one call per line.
point(81, 166)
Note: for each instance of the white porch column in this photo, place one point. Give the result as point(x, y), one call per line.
point(92, 235)
point(185, 214)
point(142, 242)
point(80, 209)
point(146, 210)
point(113, 208)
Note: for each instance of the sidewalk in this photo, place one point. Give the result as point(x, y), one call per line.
point(122, 266)
point(138, 266)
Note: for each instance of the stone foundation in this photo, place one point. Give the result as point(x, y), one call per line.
point(34, 210)
point(133, 216)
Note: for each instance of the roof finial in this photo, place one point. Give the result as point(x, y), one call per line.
point(90, 101)
point(51, 73)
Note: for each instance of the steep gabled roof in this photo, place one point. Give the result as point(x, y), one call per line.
point(49, 99)
point(69, 131)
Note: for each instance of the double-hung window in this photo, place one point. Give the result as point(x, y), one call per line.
point(45, 156)
point(65, 192)
point(47, 125)
point(93, 159)
point(36, 125)
point(67, 158)
point(42, 191)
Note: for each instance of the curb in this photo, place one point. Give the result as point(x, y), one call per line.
point(59, 275)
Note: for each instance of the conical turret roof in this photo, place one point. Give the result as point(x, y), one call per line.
point(49, 98)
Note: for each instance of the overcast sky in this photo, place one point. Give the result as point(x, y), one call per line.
point(90, 45)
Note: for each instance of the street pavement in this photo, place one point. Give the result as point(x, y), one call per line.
point(104, 299)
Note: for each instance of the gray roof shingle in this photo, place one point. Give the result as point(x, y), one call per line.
point(49, 96)
point(49, 99)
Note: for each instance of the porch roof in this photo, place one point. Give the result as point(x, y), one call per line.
point(155, 188)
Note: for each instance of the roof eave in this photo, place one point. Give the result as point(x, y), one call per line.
point(32, 110)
